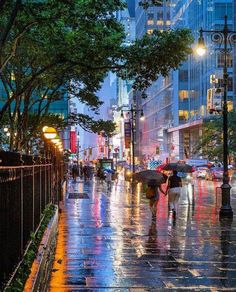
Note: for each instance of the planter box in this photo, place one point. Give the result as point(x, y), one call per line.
point(40, 270)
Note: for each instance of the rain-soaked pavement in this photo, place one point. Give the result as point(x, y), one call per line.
point(108, 242)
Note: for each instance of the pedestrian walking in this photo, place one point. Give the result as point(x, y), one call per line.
point(174, 190)
point(152, 193)
point(74, 171)
point(108, 180)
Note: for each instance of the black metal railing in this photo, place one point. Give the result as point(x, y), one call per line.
point(27, 185)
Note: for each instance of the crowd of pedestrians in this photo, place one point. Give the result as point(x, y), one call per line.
point(87, 172)
point(82, 171)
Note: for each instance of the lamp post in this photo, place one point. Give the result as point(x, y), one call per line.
point(133, 111)
point(224, 38)
point(78, 137)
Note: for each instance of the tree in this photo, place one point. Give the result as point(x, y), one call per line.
point(211, 142)
point(65, 50)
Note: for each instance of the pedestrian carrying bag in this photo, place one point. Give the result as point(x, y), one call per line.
point(150, 193)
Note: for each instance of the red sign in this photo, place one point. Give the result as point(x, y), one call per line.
point(73, 147)
point(127, 131)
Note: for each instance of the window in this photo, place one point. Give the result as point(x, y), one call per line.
point(160, 22)
point(220, 60)
point(183, 75)
point(150, 31)
point(150, 20)
point(230, 83)
point(160, 15)
point(183, 115)
point(222, 9)
point(183, 94)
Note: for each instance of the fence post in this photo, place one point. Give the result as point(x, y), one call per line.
point(45, 181)
point(33, 161)
point(40, 187)
point(21, 206)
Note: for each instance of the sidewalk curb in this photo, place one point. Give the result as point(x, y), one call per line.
point(40, 269)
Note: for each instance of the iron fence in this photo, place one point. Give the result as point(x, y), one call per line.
point(25, 189)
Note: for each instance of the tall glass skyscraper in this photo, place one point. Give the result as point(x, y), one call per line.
point(198, 78)
point(151, 138)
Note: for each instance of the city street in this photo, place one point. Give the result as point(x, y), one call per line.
point(107, 241)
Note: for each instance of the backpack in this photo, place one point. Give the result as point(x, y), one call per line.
point(150, 193)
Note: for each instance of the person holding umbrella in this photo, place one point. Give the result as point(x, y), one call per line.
point(153, 179)
point(174, 190)
point(153, 188)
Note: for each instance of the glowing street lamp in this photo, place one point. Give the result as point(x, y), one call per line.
point(201, 47)
point(49, 132)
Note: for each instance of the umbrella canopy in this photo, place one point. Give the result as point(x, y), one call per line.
point(109, 170)
point(180, 167)
point(150, 175)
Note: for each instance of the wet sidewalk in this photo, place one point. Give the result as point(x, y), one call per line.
point(108, 242)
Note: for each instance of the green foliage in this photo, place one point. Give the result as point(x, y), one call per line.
point(23, 272)
point(88, 123)
point(53, 50)
point(211, 142)
point(148, 3)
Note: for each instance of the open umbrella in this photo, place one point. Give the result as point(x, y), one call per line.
point(109, 170)
point(180, 167)
point(150, 175)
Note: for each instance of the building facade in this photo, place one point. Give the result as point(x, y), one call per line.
point(199, 81)
point(151, 135)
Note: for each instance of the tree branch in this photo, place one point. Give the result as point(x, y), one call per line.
point(10, 22)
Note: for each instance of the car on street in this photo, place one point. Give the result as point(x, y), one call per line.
point(214, 173)
point(201, 172)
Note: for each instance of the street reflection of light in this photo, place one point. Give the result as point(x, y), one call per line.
point(60, 261)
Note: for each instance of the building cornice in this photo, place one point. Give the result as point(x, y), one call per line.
point(185, 126)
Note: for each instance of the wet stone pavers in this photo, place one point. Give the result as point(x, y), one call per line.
point(108, 242)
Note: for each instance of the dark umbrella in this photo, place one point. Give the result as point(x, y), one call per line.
point(150, 175)
point(180, 167)
point(109, 170)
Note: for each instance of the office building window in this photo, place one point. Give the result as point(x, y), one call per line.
point(183, 75)
point(230, 83)
point(222, 9)
point(150, 20)
point(160, 15)
point(220, 60)
point(183, 94)
point(183, 115)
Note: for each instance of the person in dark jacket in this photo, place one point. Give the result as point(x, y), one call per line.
point(174, 191)
point(155, 199)
point(74, 171)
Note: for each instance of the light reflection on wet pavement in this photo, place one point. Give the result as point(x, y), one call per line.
point(110, 243)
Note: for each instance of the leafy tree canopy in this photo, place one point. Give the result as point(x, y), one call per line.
point(56, 49)
point(211, 142)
